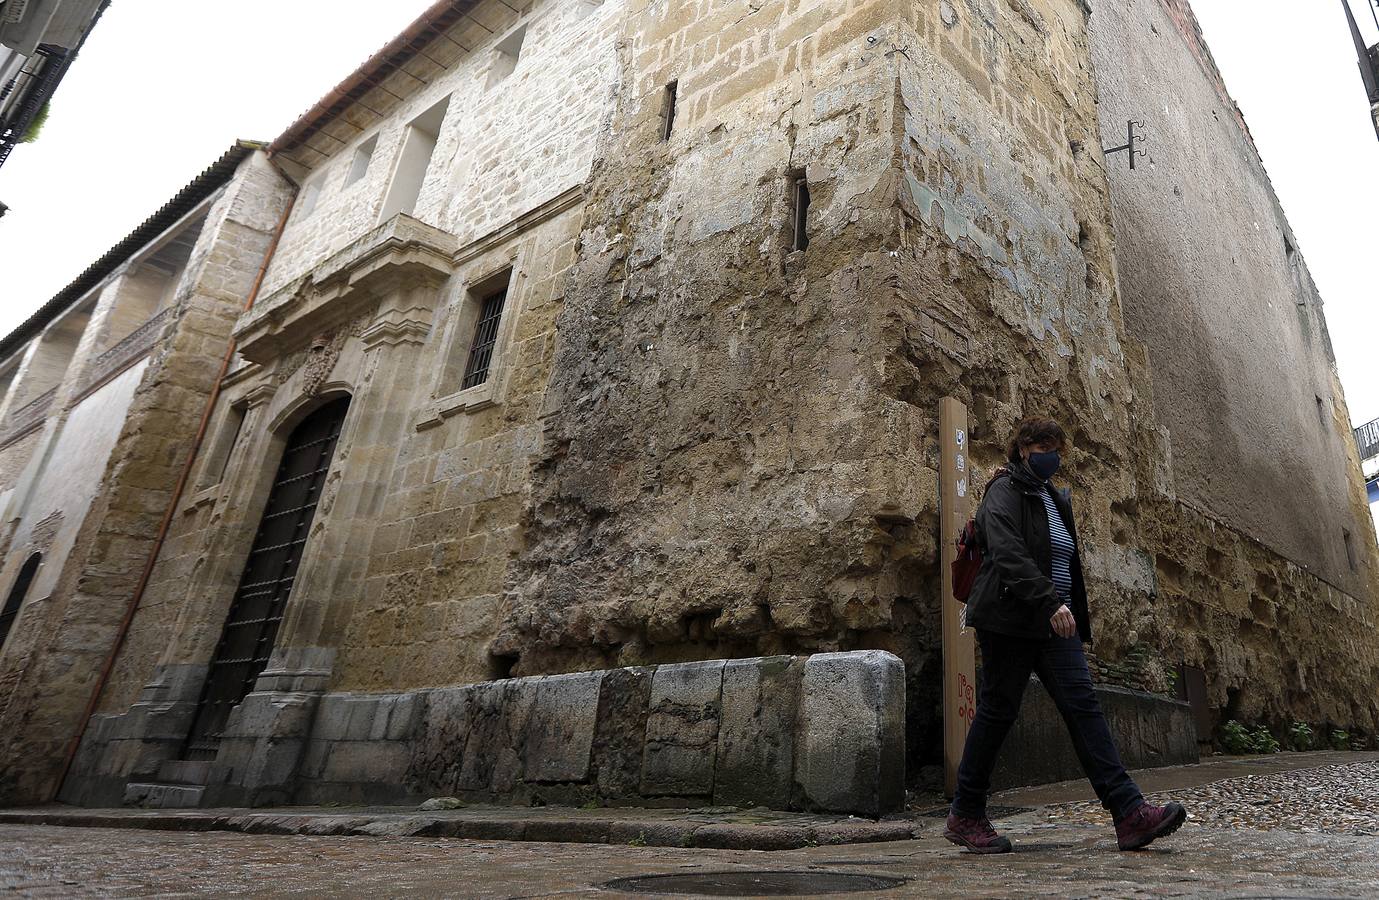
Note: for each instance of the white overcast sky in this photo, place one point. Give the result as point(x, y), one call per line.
point(164, 86)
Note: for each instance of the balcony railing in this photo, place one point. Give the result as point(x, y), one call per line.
point(130, 349)
point(1367, 439)
point(27, 416)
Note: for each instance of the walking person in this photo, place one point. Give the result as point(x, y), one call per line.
point(1029, 607)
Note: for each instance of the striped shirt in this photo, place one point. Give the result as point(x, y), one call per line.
point(1062, 544)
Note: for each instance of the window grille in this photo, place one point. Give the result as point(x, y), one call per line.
point(485, 339)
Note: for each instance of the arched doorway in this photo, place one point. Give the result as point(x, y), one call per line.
point(252, 624)
point(17, 593)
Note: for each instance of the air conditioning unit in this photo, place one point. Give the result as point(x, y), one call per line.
point(13, 11)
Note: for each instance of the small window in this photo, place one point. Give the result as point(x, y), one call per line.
point(418, 146)
point(363, 155)
point(506, 55)
point(1349, 547)
point(799, 192)
point(311, 192)
point(16, 597)
point(485, 338)
point(1321, 410)
point(668, 110)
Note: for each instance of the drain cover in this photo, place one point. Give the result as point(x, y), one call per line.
point(754, 884)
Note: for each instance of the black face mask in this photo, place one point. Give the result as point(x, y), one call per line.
point(1044, 464)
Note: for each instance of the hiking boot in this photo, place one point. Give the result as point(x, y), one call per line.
point(1147, 824)
point(976, 835)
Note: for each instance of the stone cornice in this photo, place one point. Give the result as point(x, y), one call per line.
point(399, 253)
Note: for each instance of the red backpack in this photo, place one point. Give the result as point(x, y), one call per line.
point(969, 559)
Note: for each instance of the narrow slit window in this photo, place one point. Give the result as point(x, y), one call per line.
point(485, 339)
point(1321, 410)
point(668, 111)
point(799, 189)
point(363, 156)
point(1349, 547)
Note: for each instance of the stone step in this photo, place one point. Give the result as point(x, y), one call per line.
point(184, 771)
point(151, 795)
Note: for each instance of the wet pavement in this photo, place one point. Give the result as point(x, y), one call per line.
point(1062, 850)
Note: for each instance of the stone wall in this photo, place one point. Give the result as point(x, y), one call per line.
point(824, 733)
point(1149, 730)
point(1241, 524)
point(92, 582)
point(742, 452)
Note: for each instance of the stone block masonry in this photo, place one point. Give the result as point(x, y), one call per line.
point(823, 733)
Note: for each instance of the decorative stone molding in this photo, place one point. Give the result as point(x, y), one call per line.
point(44, 532)
point(399, 254)
point(260, 394)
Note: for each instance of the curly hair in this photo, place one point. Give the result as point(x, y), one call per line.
point(1034, 430)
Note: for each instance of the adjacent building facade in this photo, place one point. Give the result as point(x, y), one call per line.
point(608, 337)
point(1367, 440)
point(39, 40)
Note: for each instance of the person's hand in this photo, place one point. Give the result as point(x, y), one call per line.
point(1064, 625)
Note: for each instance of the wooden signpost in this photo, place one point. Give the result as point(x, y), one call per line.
point(959, 682)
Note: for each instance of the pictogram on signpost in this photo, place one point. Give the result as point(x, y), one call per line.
point(959, 662)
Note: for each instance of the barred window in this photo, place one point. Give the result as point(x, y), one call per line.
point(485, 339)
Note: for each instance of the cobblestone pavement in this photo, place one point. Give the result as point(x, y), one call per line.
point(1340, 799)
point(1064, 861)
point(1060, 852)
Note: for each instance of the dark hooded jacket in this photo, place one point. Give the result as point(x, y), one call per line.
point(1013, 593)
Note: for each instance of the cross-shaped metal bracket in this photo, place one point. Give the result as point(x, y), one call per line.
point(1131, 144)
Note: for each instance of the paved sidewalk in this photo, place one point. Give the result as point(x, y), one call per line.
point(1064, 849)
point(724, 828)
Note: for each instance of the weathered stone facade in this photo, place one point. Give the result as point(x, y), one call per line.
point(705, 423)
point(127, 363)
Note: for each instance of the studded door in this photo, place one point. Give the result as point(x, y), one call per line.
point(252, 624)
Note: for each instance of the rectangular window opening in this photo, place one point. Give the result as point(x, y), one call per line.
point(506, 55)
point(668, 110)
point(1321, 410)
point(311, 192)
point(1349, 547)
point(799, 192)
point(418, 147)
point(219, 463)
point(363, 155)
point(485, 340)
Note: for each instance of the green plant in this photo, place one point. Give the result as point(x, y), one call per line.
point(1235, 739)
point(1263, 739)
point(1300, 736)
point(1340, 740)
point(35, 125)
point(639, 840)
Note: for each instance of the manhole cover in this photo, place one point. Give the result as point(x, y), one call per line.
point(992, 812)
point(754, 884)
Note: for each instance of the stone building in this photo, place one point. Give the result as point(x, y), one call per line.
point(604, 342)
point(103, 389)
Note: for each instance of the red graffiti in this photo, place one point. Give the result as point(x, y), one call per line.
point(967, 700)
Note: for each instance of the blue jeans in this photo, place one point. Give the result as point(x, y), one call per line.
point(1062, 668)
